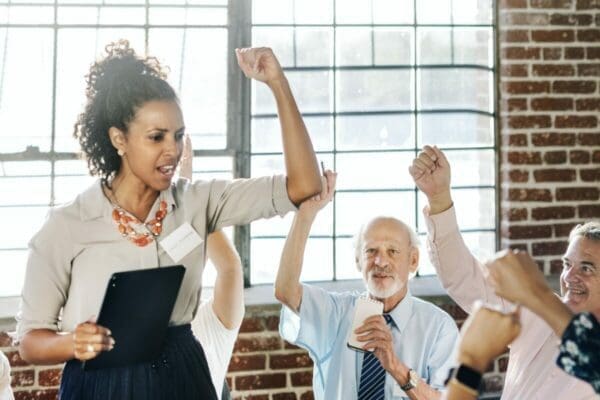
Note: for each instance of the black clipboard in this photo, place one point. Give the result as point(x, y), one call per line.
point(136, 308)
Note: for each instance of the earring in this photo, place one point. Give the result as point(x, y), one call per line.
point(120, 152)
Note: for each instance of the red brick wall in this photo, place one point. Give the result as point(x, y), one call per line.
point(550, 171)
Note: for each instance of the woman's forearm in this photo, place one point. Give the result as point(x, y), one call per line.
point(303, 177)
point(46, 347)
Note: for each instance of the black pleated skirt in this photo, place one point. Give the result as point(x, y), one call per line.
point(180, 373)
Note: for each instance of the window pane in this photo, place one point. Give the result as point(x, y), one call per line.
point(455, 130)
point(345, 259)
point(187, 16)
point(13, 271)
point(353, 12)
point(434, 11)
point(393, 11)
point(280, 40)
point(30, 15)
point(472, 11)
point(434, 46)
point(72, 177)
point(474, 46)
point(272, 12)
point(23, 223)
point(353, 46)
point(455, 89)
point(374, 170)
point(374, 90)
point(393, 46)
point(375, 132)
point(266, 134)
point(314, 47)
point(305, 11)
point(472, 167)
point(354, 209)
point(22, 72)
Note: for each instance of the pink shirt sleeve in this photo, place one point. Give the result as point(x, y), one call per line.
point(461, 274)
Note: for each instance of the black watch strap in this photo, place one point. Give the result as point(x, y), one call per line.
point(467, 376)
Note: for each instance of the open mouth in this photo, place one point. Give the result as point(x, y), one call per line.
point(167, 170)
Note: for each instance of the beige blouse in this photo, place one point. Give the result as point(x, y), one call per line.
point(79, 247)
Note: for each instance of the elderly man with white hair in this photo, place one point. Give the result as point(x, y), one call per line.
point(407, 351)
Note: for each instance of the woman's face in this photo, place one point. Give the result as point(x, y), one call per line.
point(153, 144)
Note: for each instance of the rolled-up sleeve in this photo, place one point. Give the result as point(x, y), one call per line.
point(242, 201)
point(47, 277)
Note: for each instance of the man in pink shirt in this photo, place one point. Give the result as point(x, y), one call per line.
point(532, 371)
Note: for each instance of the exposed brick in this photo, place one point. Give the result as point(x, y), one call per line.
point(524, 157)
point(290, 346)
point(529, 231)
point(514, 35)
point(246, 345)
point(574, 86)
point(555, 157)
point(589, 211)
point(514, 70)
point(15, 359)
point(253, 397)
point(588, 35)
point(590, 175)
point(515, 214)
point(574, 53)
point(492, 383)
point(518, 175)
point(518, 246)
point(551, 3)
point(5, 340)
point(529, 121)
point(552, 104)
point(588, 69)
point(247, 363)
point(521, 53)
point(571, 19)
point(577, 193)
point(252, 324)
point(587, 4)
point(22, 378)
point(504, 4)
point(307, 395)
point(579, 157)
point(502, 362)
point(554, 175)
point(576, 121)
point(556, 212)
point(549, 248)
point(593, 53)
point(587, 104)
point(49, 377)
point(454, 310)
point(518, 139)
point(526, 87)
point(556, 266)
point(552, 53)
point(514, 104)
point(556, 35)
point(563, 230)
point(529, 195)
point(553, 139)
point(524, 18)
point(273, 323)
point(284, 396)
point(260, 381)
point(589, 139)
point(47, 394)
point(301, 378)
point(285, 361)
point(596, 156)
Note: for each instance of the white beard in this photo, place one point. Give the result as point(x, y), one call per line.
point(383, 293)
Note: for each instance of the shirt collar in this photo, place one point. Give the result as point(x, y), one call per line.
point(402, 312)
point(94, 204)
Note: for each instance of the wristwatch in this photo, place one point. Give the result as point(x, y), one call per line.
point(413, 379)
point(467, 376)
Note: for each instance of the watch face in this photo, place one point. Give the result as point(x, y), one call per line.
point(413, 377)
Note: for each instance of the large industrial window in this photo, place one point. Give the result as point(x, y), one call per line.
point(375, 79)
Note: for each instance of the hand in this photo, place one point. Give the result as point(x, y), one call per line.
point(89, 339)
point(485, 335)
point(378, 337)
point(431, 174)
point(314, 204)
point(259, 63)
point(187, 158)
point(516, 277)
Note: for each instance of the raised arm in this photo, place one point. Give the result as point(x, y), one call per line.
point(462, 275)
point(228, 297)
point(303, 178)
point(288, 289)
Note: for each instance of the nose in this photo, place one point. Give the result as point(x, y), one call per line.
point(171, 145)
point(381, 259)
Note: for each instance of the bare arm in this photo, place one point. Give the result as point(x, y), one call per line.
point(288, 289)
point(47, 347)
point(228, 298)
point(300, 160)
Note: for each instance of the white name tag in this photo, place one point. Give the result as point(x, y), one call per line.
point(181, 241)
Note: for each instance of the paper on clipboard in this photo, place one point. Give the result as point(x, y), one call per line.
point(365, 308)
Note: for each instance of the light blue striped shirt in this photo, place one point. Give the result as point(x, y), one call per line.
point(424, 339)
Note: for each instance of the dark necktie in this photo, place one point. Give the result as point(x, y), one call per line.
point(372, 375)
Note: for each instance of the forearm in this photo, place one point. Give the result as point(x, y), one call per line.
point(440, 202)
point(300, 160)
point(548, 306)
point(46, 347)
point(288, 289)
point(457, 391)
point(422, 391)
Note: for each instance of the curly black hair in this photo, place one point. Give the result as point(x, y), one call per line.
point(117, 86)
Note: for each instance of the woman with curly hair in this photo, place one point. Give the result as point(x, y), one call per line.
point(131, 133)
